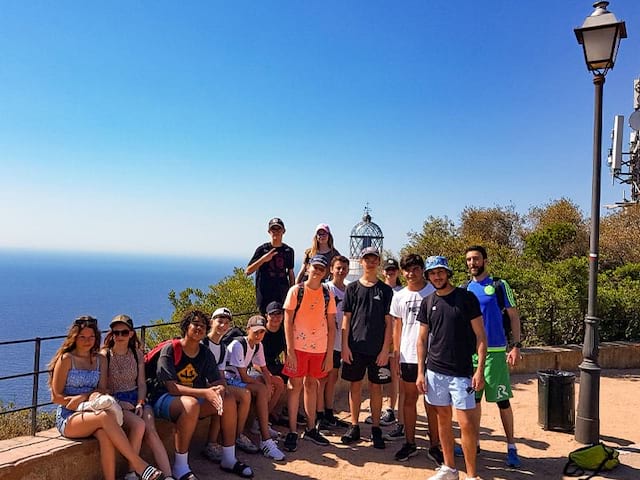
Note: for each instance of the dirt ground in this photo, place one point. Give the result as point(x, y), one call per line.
point(543, 453)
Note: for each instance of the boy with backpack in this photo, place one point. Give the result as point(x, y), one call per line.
point(188, 387)
point(246, 368)
point(309, 326)
point(220, 325)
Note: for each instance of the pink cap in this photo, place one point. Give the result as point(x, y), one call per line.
point(323, 226)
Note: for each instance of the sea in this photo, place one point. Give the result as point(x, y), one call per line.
point(42, 292)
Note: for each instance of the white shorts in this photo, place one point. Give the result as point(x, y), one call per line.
point(444, 390)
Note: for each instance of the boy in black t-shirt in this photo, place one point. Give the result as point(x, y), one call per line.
point(273, 262)
point(191, 390)
point(451, 330)
point(366, 336)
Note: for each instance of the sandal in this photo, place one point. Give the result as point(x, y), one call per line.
point(239, 469)
point(152, 473)
point(188, 476)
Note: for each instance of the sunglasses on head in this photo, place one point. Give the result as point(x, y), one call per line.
point(120, 333)
point(85, 321)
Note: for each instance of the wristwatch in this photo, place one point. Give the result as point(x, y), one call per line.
point(516, 345)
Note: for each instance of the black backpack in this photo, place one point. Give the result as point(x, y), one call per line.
point(500, 293)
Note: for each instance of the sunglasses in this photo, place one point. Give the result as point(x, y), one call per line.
point(275, 229)
point(84, 321)
point(120, 333)
point(322, 233)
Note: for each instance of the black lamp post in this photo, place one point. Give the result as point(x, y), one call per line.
point(599, 36)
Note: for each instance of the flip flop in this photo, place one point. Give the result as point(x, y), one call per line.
point(239, 469)
point(152, 473)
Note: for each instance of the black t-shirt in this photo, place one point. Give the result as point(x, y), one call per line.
point(452, 341)
point(197, 372)
point(274, 344)
point(368, 307)
point(272, 278)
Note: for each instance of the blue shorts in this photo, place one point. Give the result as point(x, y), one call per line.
point(61, 418)
point(131, 396)
point(162, 406)
point(444, 390)
point(236, 382)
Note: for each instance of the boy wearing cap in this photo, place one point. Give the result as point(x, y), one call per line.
point(310, 331)
point(451, 330)
point(273, 264)
point(220, 324)
point(366, 336)
point(258, 381)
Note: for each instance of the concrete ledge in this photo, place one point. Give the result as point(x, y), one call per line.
point(49, 456)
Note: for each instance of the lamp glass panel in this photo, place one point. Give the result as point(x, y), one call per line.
point(599, 46)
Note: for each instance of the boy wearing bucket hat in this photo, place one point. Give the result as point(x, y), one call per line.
point(451, 331)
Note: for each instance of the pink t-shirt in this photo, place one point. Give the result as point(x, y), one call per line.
point(310, 323)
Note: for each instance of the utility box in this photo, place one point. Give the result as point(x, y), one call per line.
point(556, 400)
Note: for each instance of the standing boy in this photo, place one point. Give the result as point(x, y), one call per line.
point(404, 310)
point(498, 383)
point(309, 328)
point(451, 330)
point(273, 262)
point(366, 336)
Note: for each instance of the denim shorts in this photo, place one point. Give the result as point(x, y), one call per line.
point(131, 396)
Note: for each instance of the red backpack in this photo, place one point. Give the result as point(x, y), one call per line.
point(151, 361)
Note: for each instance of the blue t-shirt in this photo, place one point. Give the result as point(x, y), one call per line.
point(491, 314)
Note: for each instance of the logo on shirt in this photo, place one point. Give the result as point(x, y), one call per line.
point(489, 290)
point(187, 375)
point(377, 296)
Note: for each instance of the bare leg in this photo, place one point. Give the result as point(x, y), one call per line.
point(277, 386)
point(443, 415)
point(330, 389)
point(185, 411)
point(432, 419)
point(469, 438)
point(506, 415)
point(107, 455)
point(261, 395)
point(355, 397)
point(401, 401)
point(135, 430)
point(393, 386)
point(242, 397)
point(310, 399)
point(294, 389)
point(375, 392)
point(152, 439)
point(322, 394)
point(410, 409)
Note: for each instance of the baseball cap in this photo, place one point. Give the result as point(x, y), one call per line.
point(276, 221)
point(369, 251)
point(126, 319)
point(391, 263)
point(318, 260)
point(274, 307)
point(256, 323)
point(222, 312)
point(323, 226)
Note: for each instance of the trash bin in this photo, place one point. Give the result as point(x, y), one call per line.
point(556, 400)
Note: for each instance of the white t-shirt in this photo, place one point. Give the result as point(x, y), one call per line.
point(237, 358)
point(405, 305)
point(219, 352)
point(339, 296)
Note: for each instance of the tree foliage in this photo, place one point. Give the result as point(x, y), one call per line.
point(619, 237)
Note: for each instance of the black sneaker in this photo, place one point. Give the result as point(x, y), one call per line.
point(335, 422)
point(387, 418)
point(407, 451)
point(395, 434)
point(316, 437)
point(376, 437)
point(291, 442)
point(323, 425)
point(435, 454)
point(352, 435)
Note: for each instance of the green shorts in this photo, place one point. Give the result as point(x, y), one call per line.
point(497, 382)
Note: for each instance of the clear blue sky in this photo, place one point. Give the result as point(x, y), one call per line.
point(182, 127)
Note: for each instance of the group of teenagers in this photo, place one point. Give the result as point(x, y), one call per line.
point(433, 339)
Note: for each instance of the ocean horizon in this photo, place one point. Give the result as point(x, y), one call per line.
point(42, 292)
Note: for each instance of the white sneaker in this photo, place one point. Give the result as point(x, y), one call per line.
point(255, 429)
point(445, 473)
point(271, 450)
point(245, 444)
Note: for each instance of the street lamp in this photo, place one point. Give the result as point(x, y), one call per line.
point(599, 36)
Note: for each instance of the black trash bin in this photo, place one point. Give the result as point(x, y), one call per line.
point(556, 400)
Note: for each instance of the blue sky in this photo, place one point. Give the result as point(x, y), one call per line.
point(182, 127)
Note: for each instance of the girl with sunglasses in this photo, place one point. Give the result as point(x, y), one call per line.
point(127, 383)
point(321, 244)
point(79, 374)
